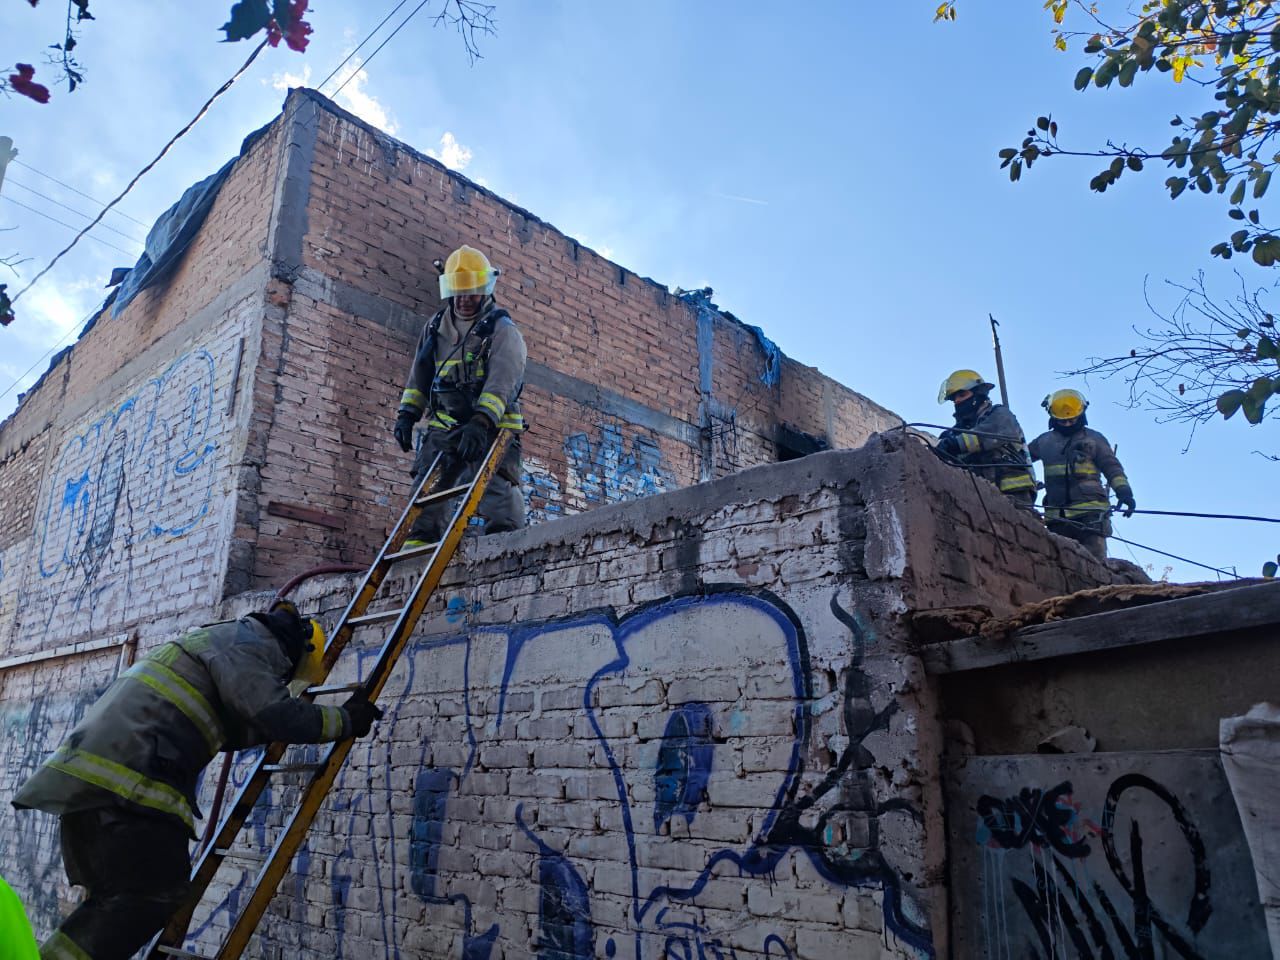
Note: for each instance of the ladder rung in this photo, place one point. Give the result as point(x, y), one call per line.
point(175, 952)
point(291, 767)
point(380, 617)
point(241, 854)
point(333, 688)
point(411, 552)
point(441, 495)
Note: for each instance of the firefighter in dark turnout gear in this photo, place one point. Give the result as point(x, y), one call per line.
point(987, 438)
point(124, 781)
point(466, 378)
point(1075, 460)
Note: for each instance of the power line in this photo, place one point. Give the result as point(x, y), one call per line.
point(367, 38)
point(60, 342)
point(41, 213)
point(68, 186)
point(369, 59)
point(1174, 556)
point(79, 213)
point(141, 173)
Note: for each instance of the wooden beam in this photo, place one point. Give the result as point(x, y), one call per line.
point(1223, 611)
point(70, 650)
point(293, 511)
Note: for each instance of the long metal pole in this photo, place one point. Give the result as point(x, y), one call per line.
point(995, 342)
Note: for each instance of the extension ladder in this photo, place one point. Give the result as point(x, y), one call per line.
point(433, 488)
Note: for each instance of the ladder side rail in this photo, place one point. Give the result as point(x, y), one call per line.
point(317, 790)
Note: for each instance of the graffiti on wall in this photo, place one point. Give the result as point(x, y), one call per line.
point(1120, 869)
point(30, 840)
point(672, 786)
point(137, 472)
point(599, 470)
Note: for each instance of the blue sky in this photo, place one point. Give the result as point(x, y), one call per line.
point(831, 174)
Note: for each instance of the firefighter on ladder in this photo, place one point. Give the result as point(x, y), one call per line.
point(467, 374)
point(1075, 460)
point(123, 783)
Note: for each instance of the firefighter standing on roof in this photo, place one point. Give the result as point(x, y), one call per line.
point(1075, 460)
point(124, 781)
point(987, 438)
point(466, 377)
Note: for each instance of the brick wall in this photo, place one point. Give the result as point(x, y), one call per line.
point(118, 466)
point(630, 390)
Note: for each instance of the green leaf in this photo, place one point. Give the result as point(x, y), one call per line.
point(1242, 333)
point(1229, 403)
point(1267, 349)
point(247, 18)
point(1008, 153)
point(1204, 183)
point(1176, 185)
point(1269, 569)
point(1261, 183)
point(1235, 214)
point(1254, 408)
point(1128, 72)
point(1135, 163)
point(1237, 197)
point(1042, 123)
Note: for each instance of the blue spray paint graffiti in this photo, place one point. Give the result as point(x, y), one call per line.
point(606, 472)
point(142, 470)
point(681, 775)
point(684, 764)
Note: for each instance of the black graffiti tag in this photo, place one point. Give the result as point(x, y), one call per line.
point(1033, 816)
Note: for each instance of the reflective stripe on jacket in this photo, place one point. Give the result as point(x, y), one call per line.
point(997, 450)
point(449, 382)
point(148, 737)
point(1074, 464)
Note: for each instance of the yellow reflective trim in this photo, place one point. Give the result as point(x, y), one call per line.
point(125, 783)
point(1018, 482)
point(493, 403)
point(166, 654)
point(1120, 480)
point(413, 398)
point(330, 723)
point(1055, 470)
point(1086, 469)
point(971, 443)
point(446, 365)
point(512, 421)
point(179, 692)
point(61, 947)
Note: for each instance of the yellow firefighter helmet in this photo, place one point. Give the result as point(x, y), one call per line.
point(1065, 404)
point(467, 271)
point(961, 380)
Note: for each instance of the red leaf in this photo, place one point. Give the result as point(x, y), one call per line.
point(22, 83)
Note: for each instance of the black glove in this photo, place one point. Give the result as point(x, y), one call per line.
point(362, 714)
point(949, 443)
point(472, 439)
point(404, 430)
point(1125, 496)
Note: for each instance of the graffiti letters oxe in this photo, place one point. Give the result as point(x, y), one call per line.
point(1071, 911)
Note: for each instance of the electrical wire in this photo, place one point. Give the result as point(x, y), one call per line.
point(369, 59)
point(141, 173)
point(39, 172)
point(41, 213)
point(61, 340)
point(368, 37)
point(1174, 556)
point(79, 213)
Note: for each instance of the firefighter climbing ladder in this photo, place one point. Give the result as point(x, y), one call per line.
point(434, 488)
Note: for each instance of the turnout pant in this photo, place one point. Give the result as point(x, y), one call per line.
point(1089, 535)
point(502, 505)
point(135, 869)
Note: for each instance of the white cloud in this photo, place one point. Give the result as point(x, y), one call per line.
point(355, 98)
point(285, 80)
point(452, 154)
